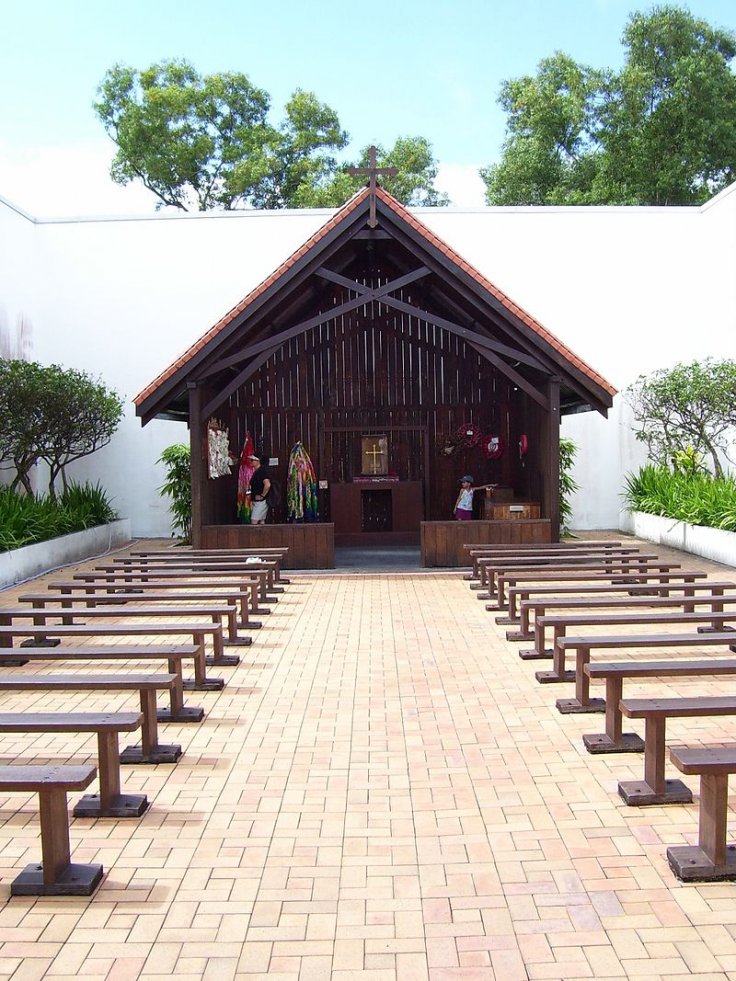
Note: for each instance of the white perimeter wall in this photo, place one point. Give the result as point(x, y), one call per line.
point(628, 289)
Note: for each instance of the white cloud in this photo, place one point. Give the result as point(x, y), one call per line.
point(463, 183)
point(62, 181)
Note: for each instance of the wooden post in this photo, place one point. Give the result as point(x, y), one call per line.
point(551, 457)
point(197, 464)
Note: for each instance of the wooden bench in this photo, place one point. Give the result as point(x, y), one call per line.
point(715, 599)
point(266, 570)
point(131, 579)
point(517, 595)
point(56, 875)
point(150, 750)
point(492, 568)
point(476, 551)
point(614, 739)
point(94, 594)
point(582, 702)
point(480, 561)
point(654, 788)
point(507, 580)
point(174, 655)
point(711, 859)
point(107, 726)
point(705, 621)
point(42, 612)
point(248, 588)
point(9, 633)
point(273, 554)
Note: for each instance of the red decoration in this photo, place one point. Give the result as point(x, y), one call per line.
point(469, 434)
point(492, 446)
point(523, 445)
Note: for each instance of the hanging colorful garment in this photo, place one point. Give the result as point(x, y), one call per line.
point(244, 505)
point(301, 487)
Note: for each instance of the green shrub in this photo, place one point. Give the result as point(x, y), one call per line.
point(178, 486)
point(26, 520)
point(696, 498)
point(568, 486)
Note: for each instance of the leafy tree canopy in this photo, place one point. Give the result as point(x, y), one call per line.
point(686, 410)
point(53, 414)
point(660, 131)
point(206, 142)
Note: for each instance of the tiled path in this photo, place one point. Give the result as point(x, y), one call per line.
point(380, 791)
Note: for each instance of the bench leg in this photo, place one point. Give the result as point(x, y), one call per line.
point(56, 876)
point(178, 711)
point(654, 789)
point(559, 673)
point(201, 681)
point(711, 859)
point(539, 651)
point(150, 749)
point(110, 802)
point(613, 740)
point(582, 703)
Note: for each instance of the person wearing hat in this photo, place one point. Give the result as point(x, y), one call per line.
point(260, 485)
point(463, 509)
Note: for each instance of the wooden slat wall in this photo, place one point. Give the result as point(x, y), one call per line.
point(373, 370)
point(442, 541)
point(310, 546)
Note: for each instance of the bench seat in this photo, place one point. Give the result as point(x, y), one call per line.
point(150, 749)
point(711, 859)
point(56, 875)
point(654, 788)
point(107, 726)
point(198, 631)
point(614, 740)
point(589, 576)
point(172, 654)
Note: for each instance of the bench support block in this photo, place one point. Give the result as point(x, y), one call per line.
point(553, 678)
point(210, 684)
point(599, 742)
point(501, 621)
point(571, 706)
point(41, 642)
point(691, 864)
point(532, 654)
point(517, 635)
point(222, 660)
point(239, 642)
point(121, 806)
point(187, 713)
point(74, 880)
point(638, 793)
point(159, 754)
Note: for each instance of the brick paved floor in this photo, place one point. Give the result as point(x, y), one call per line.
point(380, 791)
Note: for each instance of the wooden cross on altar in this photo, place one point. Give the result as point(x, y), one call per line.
point(373, 170)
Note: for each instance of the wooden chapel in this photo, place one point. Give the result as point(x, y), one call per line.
point(400, 368)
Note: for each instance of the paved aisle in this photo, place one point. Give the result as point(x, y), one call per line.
point(381, 790)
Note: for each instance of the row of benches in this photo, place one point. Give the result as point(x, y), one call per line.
point(571, 587)
point(209, 595)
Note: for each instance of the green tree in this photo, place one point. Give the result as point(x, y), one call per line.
point(23, 428)
point(205, 142)
point(53, 414)
point(413, 185)
point(660, 131)
point(81, 416)
point(686, 409)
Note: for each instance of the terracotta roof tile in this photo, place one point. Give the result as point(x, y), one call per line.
point(429, 236)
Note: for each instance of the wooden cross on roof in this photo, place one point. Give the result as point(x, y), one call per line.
point(373, 170)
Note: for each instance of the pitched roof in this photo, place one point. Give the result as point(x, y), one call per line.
point(429, 238)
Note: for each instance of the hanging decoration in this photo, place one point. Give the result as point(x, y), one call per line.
point(244, 505)
point(219, 459)
point(469, 434)
point(301, 487)
point(493, 446)
point(523, 445)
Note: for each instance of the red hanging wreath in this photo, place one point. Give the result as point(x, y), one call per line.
point(493, 446)
point(469, 434)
